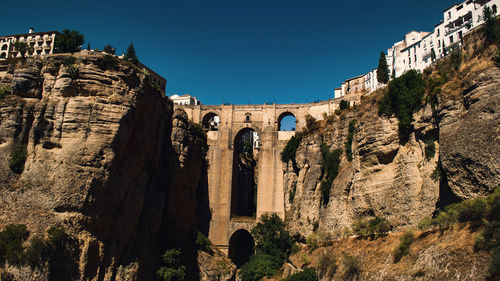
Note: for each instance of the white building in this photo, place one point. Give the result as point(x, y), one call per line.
point(415, 51)
point(371, 81)
point(39, 44)
point(184, 100)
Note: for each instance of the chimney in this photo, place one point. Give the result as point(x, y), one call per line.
point(31, 30)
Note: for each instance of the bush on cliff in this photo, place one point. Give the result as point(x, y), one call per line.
point(172, 270)
point(11, 243)
point(203, 243)
point(18, 158)
point(403, 98)
point(272, 238)
point(377, 225)
point(290, 151)
point(350, 137)
point(4, 91)
point(259, 266)
point(308, 274)
point(330, 166)
point(404, 246)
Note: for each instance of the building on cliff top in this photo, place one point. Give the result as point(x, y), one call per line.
point(39, 44)
point(419, 49)
point(184, 100)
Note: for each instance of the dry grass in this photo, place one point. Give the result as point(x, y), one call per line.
point(375, 255)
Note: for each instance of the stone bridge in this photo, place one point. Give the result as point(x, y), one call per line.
point(227, 225)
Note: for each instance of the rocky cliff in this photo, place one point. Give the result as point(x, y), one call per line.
point(89, 144)
point(451, 154)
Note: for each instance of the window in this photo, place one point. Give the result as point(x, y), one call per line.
point(409, 61)
point(4, 47)
point(3, 55)
point(451, 39)
point(494, 8)
point(438, 32)
point(449, 15)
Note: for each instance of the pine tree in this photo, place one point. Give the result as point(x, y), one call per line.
point(130, 54)
point(88, 46)
point(383, 69)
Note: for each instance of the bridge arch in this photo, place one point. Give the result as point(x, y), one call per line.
point(211, 121)
point(244, 180)
point(286, 121)
point(241, 247)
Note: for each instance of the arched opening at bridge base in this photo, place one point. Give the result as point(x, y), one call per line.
point(241, 247)
point(287, 122)
point(244, 182)
point(211, 122)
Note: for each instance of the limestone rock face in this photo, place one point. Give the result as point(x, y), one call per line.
point(396, 180)
point(215, 267)
point(469, 133)
point(102, 161)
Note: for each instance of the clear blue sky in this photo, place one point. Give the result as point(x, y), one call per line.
point(238, 51)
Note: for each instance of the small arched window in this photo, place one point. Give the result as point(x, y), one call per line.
point(4, 47)
point(3, 55)
point(248, 118)
point(494, 8)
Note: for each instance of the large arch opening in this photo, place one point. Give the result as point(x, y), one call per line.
point(244, 183)
point(241, 247)
point(287, 122)
point(211, 122)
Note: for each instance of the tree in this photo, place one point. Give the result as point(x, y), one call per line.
point(130, 54)
point(88, 47)
point(109, 49)
point(383, 69)
point(272, 238)
point(492, 29)
point(22, 48)
point(172, 270)
point(69, 41)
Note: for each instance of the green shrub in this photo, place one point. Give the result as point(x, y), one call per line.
point(330, 165)
point(259, 266)
point(57, 236)
point(69, 60)
point(203, 243)
point(350, 136)
point(404, 96)
point(291, 194)
point(311, 123)
point(377, 225)
point(456, 57)
point(351, 265)
point(494, 267)
point(436, 174)
point(491, 26)
point(108, 63)
point(18, 158)
point(295, 248)
point(312, 242)
point(430, 149)
point(172, 269)
point(35, 252)
point(290, 149)
point(308, 274)
point(425, 223)
point(343, 104)
point(327, 265)
point(404, 246)
point(11, 243)
point(272, 238)
point(73, 71)
point(4, 91)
